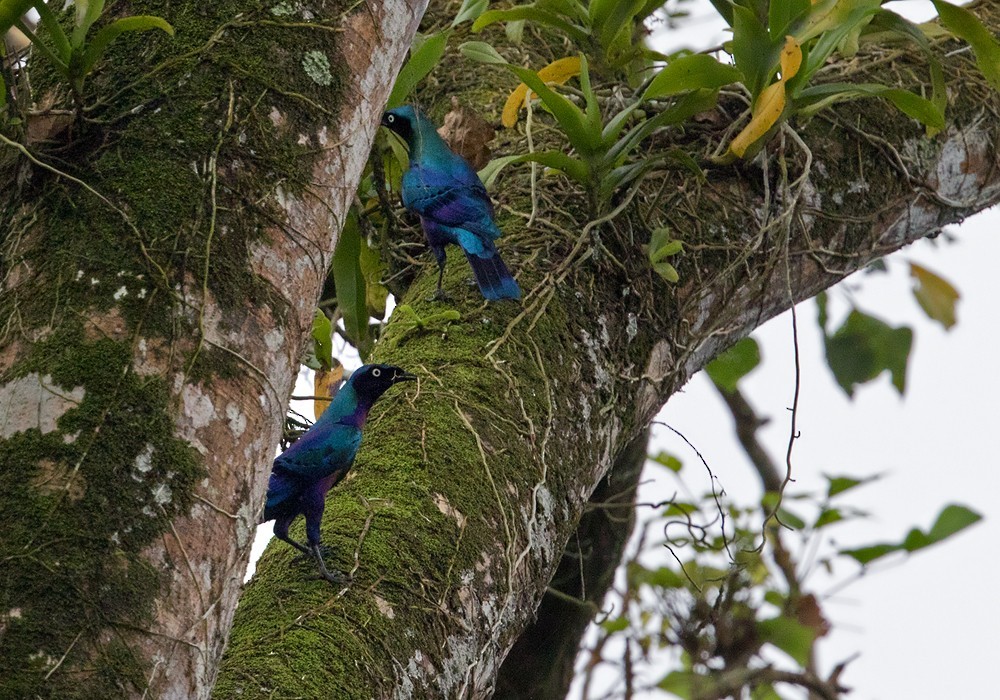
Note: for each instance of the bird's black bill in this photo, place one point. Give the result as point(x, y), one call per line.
point(404, 377)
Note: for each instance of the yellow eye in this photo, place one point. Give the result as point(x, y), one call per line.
point(376, 372)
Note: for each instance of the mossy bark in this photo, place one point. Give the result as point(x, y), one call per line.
point(162, 244)
point(469, 486)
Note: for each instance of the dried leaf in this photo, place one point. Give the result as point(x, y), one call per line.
point(326, 383)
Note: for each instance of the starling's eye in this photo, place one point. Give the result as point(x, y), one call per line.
point(391, 118)
point(376, 372)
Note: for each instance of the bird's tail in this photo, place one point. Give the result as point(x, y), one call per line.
point(493, 277)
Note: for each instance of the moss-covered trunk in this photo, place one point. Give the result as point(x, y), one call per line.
point(161, 251)
point(469, 486)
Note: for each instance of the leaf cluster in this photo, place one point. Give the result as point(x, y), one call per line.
point(73, 56)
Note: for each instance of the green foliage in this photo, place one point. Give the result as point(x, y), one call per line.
point(73, 57)
point(351, 289)
point(727, 369)
point(425, 55)
point(864, 347)
point(966, 26)
point(661, 247)
point(952, 520)
point(733, 599)
point(603, 29)
point(603, 148)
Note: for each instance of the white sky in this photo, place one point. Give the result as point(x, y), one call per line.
point(925, 628)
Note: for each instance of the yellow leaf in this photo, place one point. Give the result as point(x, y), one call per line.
point(769, 107)
point(325, 384)
point(936, 296)
point(791, 58)
point(771, 103)
point(559, 71)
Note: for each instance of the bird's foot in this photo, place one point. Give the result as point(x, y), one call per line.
point(439, 295)
point(310, 557)
point(335, 577)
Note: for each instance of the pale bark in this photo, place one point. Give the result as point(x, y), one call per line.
point(167, 641)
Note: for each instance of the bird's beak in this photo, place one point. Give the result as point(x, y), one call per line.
point(403, 377)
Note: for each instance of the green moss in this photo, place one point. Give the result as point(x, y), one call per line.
point(81, 503)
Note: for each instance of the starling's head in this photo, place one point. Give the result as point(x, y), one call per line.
point(405, 121)
point(371, 381)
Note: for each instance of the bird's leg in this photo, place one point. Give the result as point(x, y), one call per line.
point(439, 294)
point(336, 578)
point(281, 532)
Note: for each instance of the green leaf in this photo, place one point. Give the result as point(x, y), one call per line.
point(372, 269)
point(611, 18)
point(828, 516)
point(909, 103)
point(968, 27)
point(424, 57)
point(691, 73)
point(936, 296)
point(470, 10)
point(952, 520)
point(662, 577)
point(687, 106)
point(11, 11)
point(781, 15)
point(837, 485)
point(847, 17)
point(350, 285)
point(667, 272)
point(571, 120)
point(866, 555)
point(731, 366)
point(789, 635)
point(616, 625)
point(890, 21)
point(756, 56)
point(864, 347)
point(87, 12)
point(688, 684)
point(557, 160)
point(725, 9)
point(532, 13)
point(322, 335)
point(667, 460)
point(51, 24)
point(481, 52)
point(139, 23)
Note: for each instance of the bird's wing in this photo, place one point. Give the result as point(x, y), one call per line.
point(322, 451)
point(451, 198)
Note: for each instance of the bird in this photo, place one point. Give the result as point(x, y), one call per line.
point(446, 193)
point(321, 458)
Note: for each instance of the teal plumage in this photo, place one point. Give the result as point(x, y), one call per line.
point(453, 206)
point(317, 461)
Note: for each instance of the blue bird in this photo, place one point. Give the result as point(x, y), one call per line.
point(317, 461)
point(453, 206)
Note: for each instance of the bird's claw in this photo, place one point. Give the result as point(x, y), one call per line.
point(335, 577)
point(439, 295)
point(310, 558)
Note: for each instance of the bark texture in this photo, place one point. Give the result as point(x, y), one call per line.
point(160, 262)
point(469, 486)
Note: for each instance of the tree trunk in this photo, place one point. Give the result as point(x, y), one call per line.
point(161, 258)
point(469, 487)
point(137, 426)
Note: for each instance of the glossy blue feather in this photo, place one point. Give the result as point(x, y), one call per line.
point(452, 203)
